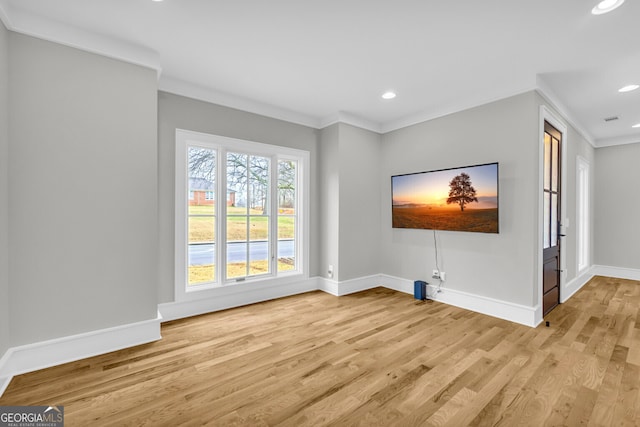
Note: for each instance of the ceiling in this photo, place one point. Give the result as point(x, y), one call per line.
point(318, 62)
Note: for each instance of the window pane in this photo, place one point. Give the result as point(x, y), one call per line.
point(287, 180)
point(546, 231)
point(259, 245)
point(547, 161)
point(202, 175)
point(237, 183)
point(259, 258)
point(286, 227)
point(554, 219)
point(204, 209)
point(287, 170)
point(201, 249)
point(555, 153)
point(201, 229)
point(259, 228)
point(201, 215)
point(236, 229)
point(201, 263)
point(258, 185)
point(236, 259)
point(286, 243)
point(248, 219)
point(201, 274)
point(237, 235)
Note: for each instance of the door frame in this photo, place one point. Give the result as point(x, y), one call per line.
point(546, 114)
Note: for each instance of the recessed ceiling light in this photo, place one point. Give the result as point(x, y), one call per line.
point(389, 95)
point(606, 6)
point(636, 126)
point(628, 88)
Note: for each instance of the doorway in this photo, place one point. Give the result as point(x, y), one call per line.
point(552, 209)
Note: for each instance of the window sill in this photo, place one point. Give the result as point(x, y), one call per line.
point(242, 287)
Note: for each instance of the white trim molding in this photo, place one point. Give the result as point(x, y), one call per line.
point(236, 296)
point(574, 285)
point(617, 272)
point(351, 286)
point(31, 357)
point(45, 354)
point(190, 90)
point(550, 96)
point(547, 115)
point(622, 140)
point(46, 29)
point(516, 313)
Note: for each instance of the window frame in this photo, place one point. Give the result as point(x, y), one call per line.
point(222, 145)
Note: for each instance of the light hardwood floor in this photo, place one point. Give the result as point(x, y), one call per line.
point(373, 358)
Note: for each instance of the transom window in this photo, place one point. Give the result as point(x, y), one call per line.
point(240, 211)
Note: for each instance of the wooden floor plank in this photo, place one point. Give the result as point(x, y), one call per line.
point(376, 357)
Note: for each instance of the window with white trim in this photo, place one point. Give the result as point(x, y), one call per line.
point(250, 223)
point(582, 202)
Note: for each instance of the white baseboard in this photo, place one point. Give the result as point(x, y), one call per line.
point(235, 296)
point(617, 272)
point(4, 380)
point(351, 286)
point(576, 284)
point(45, 354)
point(31, 357)
point(492, 307)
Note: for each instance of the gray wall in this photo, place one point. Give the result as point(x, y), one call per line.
point(83, 191)
point(500, 266)
point(359, 223)
point(349, 202)
point(4, 189)
point(329, 176)
point(184, 113)
point(617, 205)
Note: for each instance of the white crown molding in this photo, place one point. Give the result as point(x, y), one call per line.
point(550, 96)
point(46, 29)
point(623, 140)
point(190, 90)
point(350, 119)
point(426, 116)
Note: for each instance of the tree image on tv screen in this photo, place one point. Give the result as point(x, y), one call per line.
point(461, 191)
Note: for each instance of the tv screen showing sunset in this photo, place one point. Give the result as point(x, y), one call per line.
point(460, 199)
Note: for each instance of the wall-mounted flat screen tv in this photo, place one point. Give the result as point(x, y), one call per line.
point(458, 199)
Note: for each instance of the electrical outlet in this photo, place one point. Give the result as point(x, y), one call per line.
point(330, 271)
point(438, 275)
